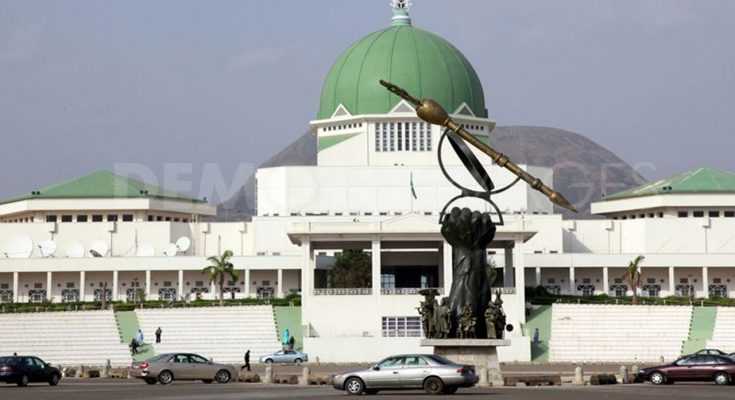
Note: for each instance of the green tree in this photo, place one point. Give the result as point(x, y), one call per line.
point(633, 276)
point(352, 269)
point(219, 268)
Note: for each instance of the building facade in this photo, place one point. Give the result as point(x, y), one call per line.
point(377, 187)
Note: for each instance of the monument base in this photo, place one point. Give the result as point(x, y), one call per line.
point(482, 353)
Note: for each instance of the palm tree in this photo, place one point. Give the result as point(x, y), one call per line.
point(633, 277)
point(219, 268)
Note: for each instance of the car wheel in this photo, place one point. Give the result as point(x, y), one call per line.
point(450, 390)
point(207, 381)
point(371, 391)
point(658, 378)
point(722, 378)
point(150, 381)
point(297, 361)
point(354, 386)
point(23, 381)
point(223, 376)
point(54, 380)
point(269, 361)
point(165, 377)
point(433, 385)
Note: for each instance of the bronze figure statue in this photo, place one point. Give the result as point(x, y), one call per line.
point(490, 315)
point(428, 311)
point(443, 320)
point(499, 317)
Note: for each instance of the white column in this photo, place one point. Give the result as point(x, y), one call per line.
point(672, 282)
point(15, 288)
point(213, 290)
point(307, 271)
point(447, 266)
point(538, 276)
point(181, 284)
point(518, 252)
point(605, 280)
point(246, 289)
point(147, 284)
point(114, 285)
point(375, 256)
point(509, 269)
point(572, 286)
point(279, 288)
point(49, 284)
point(82, 285)
point(705, 281)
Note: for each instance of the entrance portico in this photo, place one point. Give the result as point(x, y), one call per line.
point(385, 309)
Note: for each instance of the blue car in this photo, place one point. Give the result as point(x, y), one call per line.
point(285, 356)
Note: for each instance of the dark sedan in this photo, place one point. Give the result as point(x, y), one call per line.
point(23, 370)
point(692, 368)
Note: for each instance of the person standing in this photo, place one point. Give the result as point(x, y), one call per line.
point(139, 337)
point(535, 336)
point(158, 335)
point(247, 361)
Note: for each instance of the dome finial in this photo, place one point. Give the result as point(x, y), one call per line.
point(400, 12)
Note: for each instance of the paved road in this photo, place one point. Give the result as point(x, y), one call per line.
point(120, 390)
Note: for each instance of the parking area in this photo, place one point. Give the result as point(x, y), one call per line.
point(78, 389)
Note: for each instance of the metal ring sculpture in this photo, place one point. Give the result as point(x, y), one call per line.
point(475, 168)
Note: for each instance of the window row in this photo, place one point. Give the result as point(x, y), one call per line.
point(342, 127)
point(711, 214)
point(402, 327)
point(402, 136)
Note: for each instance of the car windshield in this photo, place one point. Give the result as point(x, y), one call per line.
point(440, 360)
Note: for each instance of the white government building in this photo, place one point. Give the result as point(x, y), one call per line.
point(104, 233)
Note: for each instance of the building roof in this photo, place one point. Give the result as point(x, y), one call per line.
point(700, 180)
point(103, 184)
point(422, 63)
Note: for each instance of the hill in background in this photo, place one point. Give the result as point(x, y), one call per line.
point(583, 170)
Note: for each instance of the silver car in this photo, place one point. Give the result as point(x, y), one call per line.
point(434, 374)
point(165, 368)
point(285, 356)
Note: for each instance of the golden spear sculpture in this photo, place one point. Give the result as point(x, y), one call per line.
point(433, 113)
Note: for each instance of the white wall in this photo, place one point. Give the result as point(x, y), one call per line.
point(303, 189)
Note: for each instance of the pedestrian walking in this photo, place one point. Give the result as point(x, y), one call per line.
point(158, 335)
point(535, 336)
point(139, 337)
point(133, 347)
point(247, 361)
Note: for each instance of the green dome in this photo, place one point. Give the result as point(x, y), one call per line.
point(421, 62)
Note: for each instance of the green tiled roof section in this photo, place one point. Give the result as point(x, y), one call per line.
point(701, 329)
point(701, 180)
point(423, 63)
point(104, 184)
point(540, 317)
point(325, 142)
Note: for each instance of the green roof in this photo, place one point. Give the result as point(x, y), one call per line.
point(422, 63)
point(701, 180)
point(103, 184)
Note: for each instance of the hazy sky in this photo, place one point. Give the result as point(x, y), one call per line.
point(192, 88)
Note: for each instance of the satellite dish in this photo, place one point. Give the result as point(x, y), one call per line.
point(171, 250)
point(47, 248)
point(18, 245)
point(146, 250)
point(75, 250)
point(98, 248)
point(183, 243)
